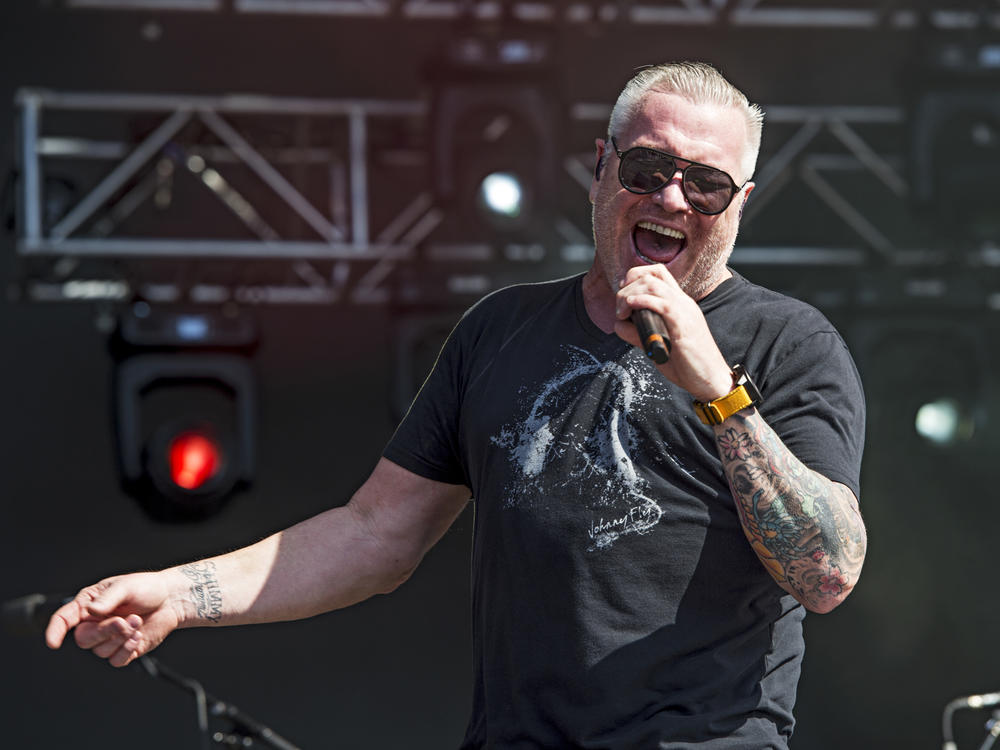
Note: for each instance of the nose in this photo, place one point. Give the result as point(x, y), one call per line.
point(671, 196)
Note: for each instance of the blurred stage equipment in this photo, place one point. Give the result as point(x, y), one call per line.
point(945, 421)
point(29, 616)
point(985, 700)
point(239, 729)
point(169, 190)
point(756, 14)
point(491, 127)
point(202, 202)
point(185, 411)
point(956, 141)
point(930, 367)
point(285, 186)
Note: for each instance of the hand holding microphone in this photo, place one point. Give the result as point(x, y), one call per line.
point(653, 334)
point(686, 352)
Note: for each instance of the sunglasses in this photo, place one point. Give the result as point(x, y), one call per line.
point(645, 170)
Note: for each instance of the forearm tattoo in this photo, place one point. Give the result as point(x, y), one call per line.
point(806, 530)
point(205, 593)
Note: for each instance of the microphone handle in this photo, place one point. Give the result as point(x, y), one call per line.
point(653, 334)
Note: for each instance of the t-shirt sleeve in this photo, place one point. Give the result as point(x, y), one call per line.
point(426, 441)
point(814, 400)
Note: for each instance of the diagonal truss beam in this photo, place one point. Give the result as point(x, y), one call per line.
point(121, 174)
point(845, 210)
point(271, 176)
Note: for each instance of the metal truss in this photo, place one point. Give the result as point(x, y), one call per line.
point(196, 136)
point(820, 171)
point(735, 13)
point(318, 201)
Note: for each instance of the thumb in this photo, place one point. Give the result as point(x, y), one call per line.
point(109, 597)
point(79, 609)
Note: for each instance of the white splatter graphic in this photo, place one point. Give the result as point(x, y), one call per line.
point(556, 458)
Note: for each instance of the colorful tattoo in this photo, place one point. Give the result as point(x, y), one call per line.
point(205, 593)
point(806, 530)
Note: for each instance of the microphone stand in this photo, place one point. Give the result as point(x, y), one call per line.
point(992, 731)
point(971, 701)
point(243, 730)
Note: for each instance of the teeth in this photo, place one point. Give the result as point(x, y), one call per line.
point(667, 231)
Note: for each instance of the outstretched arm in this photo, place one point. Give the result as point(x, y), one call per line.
point(806, 529)
point(337, 558)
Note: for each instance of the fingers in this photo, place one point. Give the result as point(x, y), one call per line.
point(695, 363)
point(117, 639)
point(91, 635)
point(642, 288)
point(118, 619)
point(651, 286)
point(56, 631)
point(627, 331)
point(72, 613)
point(656, 274)
point(63, 620)
point(93, 602)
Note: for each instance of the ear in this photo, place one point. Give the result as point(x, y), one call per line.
point(602, 146)
point(747, 189)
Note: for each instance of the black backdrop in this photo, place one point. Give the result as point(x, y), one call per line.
point(394, 671)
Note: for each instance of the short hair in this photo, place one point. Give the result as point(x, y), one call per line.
point(697, 81)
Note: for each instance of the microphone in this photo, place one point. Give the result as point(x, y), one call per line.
point(653, 334)
point(28, 615)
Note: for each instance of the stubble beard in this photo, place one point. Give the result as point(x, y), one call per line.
point(709, 263)
point(709, 266)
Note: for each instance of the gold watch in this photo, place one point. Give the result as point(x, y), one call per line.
point(743, 395)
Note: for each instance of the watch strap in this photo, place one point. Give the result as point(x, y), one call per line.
point(743, 395)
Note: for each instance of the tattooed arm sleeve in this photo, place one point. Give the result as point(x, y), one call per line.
point(806, 530)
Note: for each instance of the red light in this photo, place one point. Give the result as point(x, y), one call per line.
point(194, 459)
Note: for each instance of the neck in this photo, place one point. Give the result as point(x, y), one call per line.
point(599, 300)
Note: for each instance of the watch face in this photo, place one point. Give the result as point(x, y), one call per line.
point(743, 379)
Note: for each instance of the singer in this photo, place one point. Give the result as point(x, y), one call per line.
point(649, 536)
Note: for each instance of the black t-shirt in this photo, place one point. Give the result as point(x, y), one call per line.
point(616, 600)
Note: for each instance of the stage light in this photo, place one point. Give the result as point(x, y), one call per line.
point(496, 173)
point(194, 459)
point(944, 422)
point(185, 430)
point(927, 373)
point(184, 410)
point(192, 327)
point(493, 135)
point(501, 195)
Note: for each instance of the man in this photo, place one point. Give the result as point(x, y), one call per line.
point(641, 564)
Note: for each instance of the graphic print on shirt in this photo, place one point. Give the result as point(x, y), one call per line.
point(576, 441)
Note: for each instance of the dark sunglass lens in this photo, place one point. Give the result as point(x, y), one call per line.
point(708, 189)
point(645, 171)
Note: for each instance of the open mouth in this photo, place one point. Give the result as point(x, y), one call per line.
point(657, 244)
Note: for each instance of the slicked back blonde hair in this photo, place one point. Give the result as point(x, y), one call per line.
point(700, 83)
